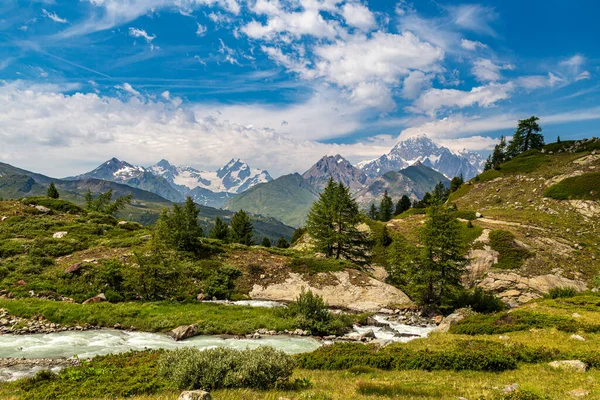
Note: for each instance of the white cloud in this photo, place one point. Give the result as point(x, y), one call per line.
point(137, 33)
point(433, 100)
point(583, 75)
point(201, 31)
point(486, 71)
point(415, 83)
point(358, 16)
point(54, 17)
point(297, 24)
point(474, 17)
point(472, 45)
point(574, 62)
point(126, 87)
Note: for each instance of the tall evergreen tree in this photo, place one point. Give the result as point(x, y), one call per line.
point(266, 242)
point(104, 204)
point(440, 193)
point(52, 192)
point(332, 223)
point(456, 182)
point(498, 156)
point(241, 228)
point(527, 136)
point(220, 230)
point(386, 208)
point(282, 243)
point(373, 214)
point(558, 139)
point(179, 228)
point(298, 233)
point(403, 204)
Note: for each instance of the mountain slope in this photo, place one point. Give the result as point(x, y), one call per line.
point(340, 170)
point(118, 171)
point(413, 181)
point(421, 148)
point(287, 198)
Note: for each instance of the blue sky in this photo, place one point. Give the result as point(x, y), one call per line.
point(281, 83)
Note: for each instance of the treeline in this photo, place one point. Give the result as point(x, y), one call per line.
point(527, 137)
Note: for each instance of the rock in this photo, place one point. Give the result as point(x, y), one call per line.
point(73, 268)
point(511, 388)
point(122, 223)
point(572, 365)
point(195, 395)
point(453, 318)
point(21, 282)
point(576, 315)
point(200, 297)
point(96, 299)
point(369, 334)
point(183, 332)
point(42, 209)
point(60, 235)
point(478, 215)
point(4, 218)
point(577, 337)
point(579, 392)
point(438, 319)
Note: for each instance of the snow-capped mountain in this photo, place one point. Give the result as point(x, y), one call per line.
point(235, 177)
point(421, 149)
point(338, 168)
point(118, 171)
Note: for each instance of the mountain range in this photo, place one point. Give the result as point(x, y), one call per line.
point(422, 149)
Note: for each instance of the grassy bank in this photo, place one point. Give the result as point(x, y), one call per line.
point(155, 317)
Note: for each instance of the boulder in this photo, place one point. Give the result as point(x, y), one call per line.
point(511, 388)
point(71, 269)
point(453, 318)
point(183, 332)
point(96, 299)
point(571, 365)
point(577, 337)
point(42, 209)
point(4, 218)
point(369, 334)
point(579, 392)
point(60, 235)
point(195, 395)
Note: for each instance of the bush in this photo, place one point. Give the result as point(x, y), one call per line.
point(221, 283)
point(556, 293)
point(583, 187)
point(480, 301)
point(511, 255)
point(211, 369)
point(313, 265)
point(465, 214)
point(54, 204)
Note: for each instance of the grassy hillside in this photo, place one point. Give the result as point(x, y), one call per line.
point(287, 198)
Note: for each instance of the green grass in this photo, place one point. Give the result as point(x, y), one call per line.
point(212, 319)
point(311, 265)
point(582, 187)
point(55, 204)
point(511, 255)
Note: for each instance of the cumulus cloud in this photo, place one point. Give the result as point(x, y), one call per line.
point(126, 87)
point(137, 33)
point(472, 45)
point(415, 83)
point(358, 16)
point(434, 100)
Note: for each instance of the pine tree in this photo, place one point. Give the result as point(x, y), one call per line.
point(372, 212)
point(526, 137)
point(403, 204)
point(498, 156)
point(89, 199)
point(266, 242)
point(104, 204)
point(456, 183)
point(332, 223)
point(179, 228)
point(386, 208)
point(282, 243)
point(52, 192)
point(220, 230)
point(298, 233)
point(442, 264)
point(558, 139)
point(440, 194)
point(241, 228)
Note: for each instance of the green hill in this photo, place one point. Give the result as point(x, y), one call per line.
point(287, 198)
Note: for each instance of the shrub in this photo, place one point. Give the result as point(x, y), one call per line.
point(480, 301)
point(511, 255)
point(55, 204)
point(556, 293)
point(313, 265)
point(583, 187)
point(465, 214)
point(211, 369)
point(522, 395)
point(221, 283)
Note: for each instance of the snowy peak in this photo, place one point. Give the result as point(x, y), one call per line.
point(423, 150)
point(114, 169)
point(234, 177)
point(337, 168)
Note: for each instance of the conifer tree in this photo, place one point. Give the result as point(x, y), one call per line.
point(241, 228)
point(456, 182)
point(332, 223)
point(179, 228)
point(386, 208)
point(440, 194)
point(52, 192)
point(104, 204)
point(527, 136)
point(220, 230)
point(558, 139)
point(372, 212)
point(298, 234)
point(282, 243)
point(266, 242)
point(403, 204)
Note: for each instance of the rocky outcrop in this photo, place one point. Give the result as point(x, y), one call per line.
point(195, 395)
point(587, 208)
point(453, 318)
point(183, 332)
point(96, 299)
point(569, 365)
point(344, 289)
point(515, 289)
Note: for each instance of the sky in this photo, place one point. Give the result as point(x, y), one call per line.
point(280, 83)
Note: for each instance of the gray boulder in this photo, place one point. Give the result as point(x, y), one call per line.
point(570, 365)
point(183, 332)
point(195, 395)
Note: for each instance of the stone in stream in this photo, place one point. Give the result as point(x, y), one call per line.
point(195, 395)
point(183, 332)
